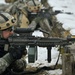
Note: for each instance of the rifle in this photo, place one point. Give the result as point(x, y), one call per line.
point(39, 41)
point(26, 39)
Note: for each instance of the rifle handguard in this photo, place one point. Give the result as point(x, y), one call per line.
point(23, 30)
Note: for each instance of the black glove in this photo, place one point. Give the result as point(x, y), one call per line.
point(16, 52)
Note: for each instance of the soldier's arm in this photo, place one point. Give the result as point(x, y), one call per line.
point(34, 23)
point(14, 54)
point(5, 61)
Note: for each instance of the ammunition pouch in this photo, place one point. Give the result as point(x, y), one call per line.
point(32, 54)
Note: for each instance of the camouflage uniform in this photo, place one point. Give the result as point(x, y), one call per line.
point(38, 16)
point(28, 8)
point(6, 53)
point(5, 61)
point(17, 9)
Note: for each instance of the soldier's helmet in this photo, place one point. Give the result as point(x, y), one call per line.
point(34, 5)
point(6, 21)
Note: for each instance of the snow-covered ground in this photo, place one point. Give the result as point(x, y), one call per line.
point(68, 21)
point(2, 1)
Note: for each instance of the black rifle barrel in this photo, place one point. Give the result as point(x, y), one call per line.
point(37, 41)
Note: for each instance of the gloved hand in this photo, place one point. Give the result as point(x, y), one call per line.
point(16, 52)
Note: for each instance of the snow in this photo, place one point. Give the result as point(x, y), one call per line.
point(68, 21)
point(55, 72)
point(2, 1)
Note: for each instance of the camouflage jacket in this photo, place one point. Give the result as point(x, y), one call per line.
point(5, 61)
